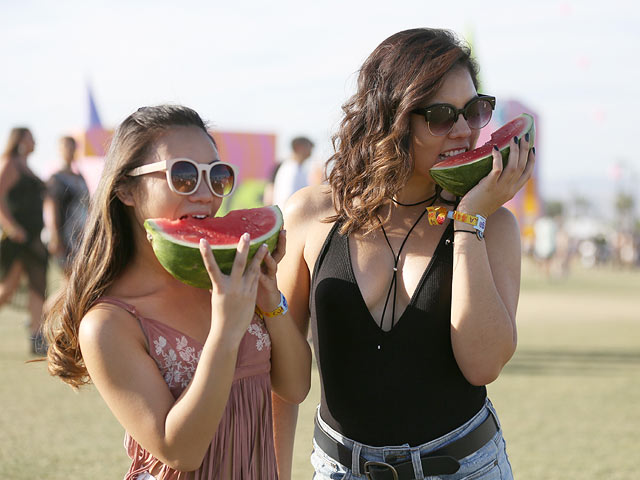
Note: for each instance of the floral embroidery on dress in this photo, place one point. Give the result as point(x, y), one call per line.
point(178, 367)
point(264, 340)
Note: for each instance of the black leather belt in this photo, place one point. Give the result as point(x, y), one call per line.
point(442, 461)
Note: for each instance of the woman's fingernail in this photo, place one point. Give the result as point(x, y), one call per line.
point(534, 150)
point(495, 147)
point(526, 137)
point(515, 139)
point(202, 242)
point(246, 236)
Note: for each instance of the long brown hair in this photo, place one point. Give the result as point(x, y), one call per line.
point(107, 242)
point(372, 160)
point(16, 135)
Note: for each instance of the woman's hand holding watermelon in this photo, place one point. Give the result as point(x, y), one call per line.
point(268, 293)
point(233, 296)
point(502, 183)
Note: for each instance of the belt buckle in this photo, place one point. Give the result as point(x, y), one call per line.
point(367, 472)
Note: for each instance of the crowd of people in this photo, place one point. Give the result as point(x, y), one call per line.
point(409, 291)
point(561, 242)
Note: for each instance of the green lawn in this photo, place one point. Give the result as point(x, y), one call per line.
point(568, 400)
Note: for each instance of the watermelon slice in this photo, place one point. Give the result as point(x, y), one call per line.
point(176, 242)
point(462, 172)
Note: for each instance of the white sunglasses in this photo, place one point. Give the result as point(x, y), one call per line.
point(184, 175)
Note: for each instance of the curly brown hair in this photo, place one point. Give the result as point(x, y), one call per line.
point(107, 245)
point(372, 160)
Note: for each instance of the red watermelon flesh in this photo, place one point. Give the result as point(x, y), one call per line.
point(460, 173)
point(176, 243)
point(220, 231)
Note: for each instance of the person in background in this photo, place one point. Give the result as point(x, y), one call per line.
point(22, 252)
point(267, 193)
point(411, 292)
point(544, 247)
point(65, 206)
point(293, 173)
point(188, 372)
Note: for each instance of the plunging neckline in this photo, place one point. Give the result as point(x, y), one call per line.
point(414, 295)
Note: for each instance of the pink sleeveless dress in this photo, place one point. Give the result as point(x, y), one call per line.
point(242, 447)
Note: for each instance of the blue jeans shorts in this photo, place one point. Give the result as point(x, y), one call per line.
point(490, 462)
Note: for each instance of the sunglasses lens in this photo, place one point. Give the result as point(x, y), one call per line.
point(441, 119)
point(184, 177)
point(222, 179)
point(478, 114)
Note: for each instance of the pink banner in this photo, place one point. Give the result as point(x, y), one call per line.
point(253, 153)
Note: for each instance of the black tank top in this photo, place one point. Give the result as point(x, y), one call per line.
point(388, 388)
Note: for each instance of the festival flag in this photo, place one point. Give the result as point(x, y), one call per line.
point(96, 138)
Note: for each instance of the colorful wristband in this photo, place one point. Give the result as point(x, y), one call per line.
point(476, 221)
point(281, 309)
point(437, 216)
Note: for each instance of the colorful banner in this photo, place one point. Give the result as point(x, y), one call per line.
point(255, 156)
point(253, 153)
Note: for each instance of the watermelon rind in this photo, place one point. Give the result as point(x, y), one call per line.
point(184, 261)
point(461, 178)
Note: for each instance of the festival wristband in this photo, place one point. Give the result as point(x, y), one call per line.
point(281, 309)
point(437, 216)
point(476, 221)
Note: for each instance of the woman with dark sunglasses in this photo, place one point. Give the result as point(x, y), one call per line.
point(410, 320)
point(187, 372)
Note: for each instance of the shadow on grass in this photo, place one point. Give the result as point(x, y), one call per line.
point(573, 362)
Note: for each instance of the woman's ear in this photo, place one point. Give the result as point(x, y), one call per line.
point(125, 195)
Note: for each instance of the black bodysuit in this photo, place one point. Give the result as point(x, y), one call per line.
point(388, 388)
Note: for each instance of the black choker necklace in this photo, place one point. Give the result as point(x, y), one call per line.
point(432, 197)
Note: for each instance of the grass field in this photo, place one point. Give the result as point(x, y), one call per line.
point(569, 400)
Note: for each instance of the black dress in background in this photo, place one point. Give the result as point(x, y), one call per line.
point(25, 200)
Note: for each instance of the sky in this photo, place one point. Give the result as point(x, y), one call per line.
point(286, 67)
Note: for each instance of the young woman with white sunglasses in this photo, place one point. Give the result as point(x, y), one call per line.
point(187, 372)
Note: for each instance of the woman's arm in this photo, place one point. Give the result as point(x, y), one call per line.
point(290, 352)
point(486, 274)
point(8, 177)
point(178, 432)
point(293, 281)
point(52, 223)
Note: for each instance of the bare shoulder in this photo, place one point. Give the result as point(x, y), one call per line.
point(304, 218)
point(308, 205)
point(8, 173)
point(106, 327)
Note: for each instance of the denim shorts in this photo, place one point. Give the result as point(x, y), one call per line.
point(490, 462)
